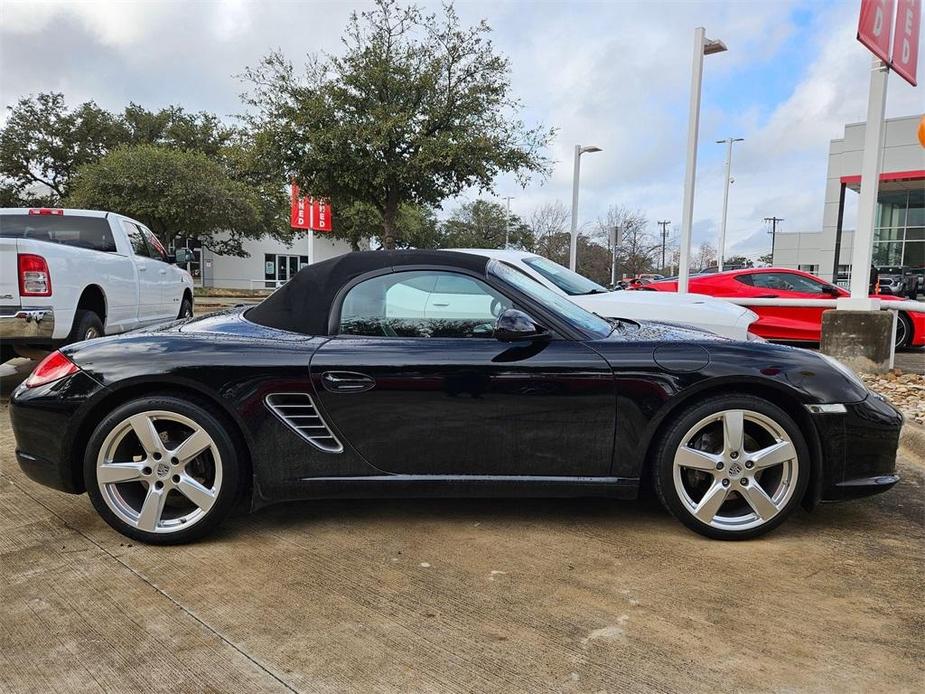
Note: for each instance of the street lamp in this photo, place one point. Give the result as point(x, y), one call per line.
point(573, 241)
point(722, 226)
point(702, 46)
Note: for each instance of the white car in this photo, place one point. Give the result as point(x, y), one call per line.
point(69, 275)
point(704, 312)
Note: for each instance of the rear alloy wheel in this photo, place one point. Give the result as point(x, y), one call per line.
point(161, 470)
point(732, 468)
point(903, 330)
point(186, 309)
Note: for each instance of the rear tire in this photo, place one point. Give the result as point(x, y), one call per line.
point(732, 467)
point(162, 470)
point(87, 325)
point(903, 331)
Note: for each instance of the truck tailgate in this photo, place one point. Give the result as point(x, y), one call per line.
point(9, 273)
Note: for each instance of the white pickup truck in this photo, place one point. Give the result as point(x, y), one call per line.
point(69, 275)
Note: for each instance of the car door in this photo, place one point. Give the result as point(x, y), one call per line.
point(424, 389)
point(797, 323)
point(150, 302)
point(168, 277)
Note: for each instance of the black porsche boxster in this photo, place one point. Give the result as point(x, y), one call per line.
point(417, 373)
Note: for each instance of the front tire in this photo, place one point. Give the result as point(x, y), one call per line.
point(162, 470)
point(732, 467)
point(186, 308)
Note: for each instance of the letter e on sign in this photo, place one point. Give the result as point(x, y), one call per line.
point(906, 39)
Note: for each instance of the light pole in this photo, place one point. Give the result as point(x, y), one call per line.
point(507, 223)
point(664, 225)
point(722, 227)
point(615, 241)
point(702, 46)
point(573, 241)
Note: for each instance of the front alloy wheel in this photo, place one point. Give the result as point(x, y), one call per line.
point(161, 470)
point(736, 467)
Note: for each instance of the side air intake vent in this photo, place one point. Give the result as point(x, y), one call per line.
point(297, 410)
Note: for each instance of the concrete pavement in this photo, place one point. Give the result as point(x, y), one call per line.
point(461, 596)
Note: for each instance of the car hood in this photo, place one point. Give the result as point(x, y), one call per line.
point(703, 312)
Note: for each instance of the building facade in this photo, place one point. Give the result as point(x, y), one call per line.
point(268, 265)
point(899, 234)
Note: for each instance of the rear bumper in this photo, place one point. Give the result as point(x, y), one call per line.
point(859, 449)
point(27, 324)
point(46, 421)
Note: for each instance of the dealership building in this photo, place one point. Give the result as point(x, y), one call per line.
point(269, 263)
point(899, 234)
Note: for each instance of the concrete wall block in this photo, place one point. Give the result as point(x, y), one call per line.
point(861, 339)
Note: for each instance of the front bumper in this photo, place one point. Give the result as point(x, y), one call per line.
point(859, 449)
point(27, 325)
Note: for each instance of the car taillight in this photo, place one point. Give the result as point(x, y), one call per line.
point(34, 277)
point(52, 368)
point(46, 210)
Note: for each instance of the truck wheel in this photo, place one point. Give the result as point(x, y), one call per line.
point(87, 325)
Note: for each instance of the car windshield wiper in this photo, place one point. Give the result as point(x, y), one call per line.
point(596, 290)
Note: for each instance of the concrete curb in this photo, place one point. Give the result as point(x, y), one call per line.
point(912, 440)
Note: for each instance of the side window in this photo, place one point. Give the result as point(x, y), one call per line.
point(156, 248)
point(421, 304)
point(784, 281)
point(746, 279)
point(136, 237)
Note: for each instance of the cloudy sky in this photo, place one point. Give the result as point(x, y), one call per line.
point(613, 74)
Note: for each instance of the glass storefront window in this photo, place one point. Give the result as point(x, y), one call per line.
point(889, 253)
point(899, 238)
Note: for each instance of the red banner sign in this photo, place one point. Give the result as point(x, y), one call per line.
point(874, 27)
point(906, 39)
point(308, 213)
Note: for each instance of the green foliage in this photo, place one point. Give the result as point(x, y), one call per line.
point(174, 192)
point(484, 224)
point(43, 144)
point(417, 109)
point(738, 261)
point(45, 147)
point(358, 222)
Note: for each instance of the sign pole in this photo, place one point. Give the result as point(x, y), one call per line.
point(862, 253)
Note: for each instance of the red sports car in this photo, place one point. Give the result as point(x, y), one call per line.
point(788, 323)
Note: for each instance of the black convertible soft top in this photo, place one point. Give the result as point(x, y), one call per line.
point(303, 304)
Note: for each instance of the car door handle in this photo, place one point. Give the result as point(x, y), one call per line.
point(440, 304)
point(163, 272)
point(142, 268)
point(347, 382)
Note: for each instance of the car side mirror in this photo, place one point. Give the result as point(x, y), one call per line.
point(183, 256)
point(513, 325)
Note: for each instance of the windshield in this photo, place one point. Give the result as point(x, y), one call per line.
point(569, 282)
point(571, 313)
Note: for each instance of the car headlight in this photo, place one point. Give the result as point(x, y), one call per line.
point(752, 337)
point(845, 371)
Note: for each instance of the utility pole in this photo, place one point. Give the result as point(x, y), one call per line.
point(614, 242)
point(507, 223)
point(773, 222)
point(664, 225)
point(722, 228)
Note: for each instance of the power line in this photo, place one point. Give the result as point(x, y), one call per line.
point(773, 222)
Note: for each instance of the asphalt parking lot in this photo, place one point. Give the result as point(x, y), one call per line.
point(460, 596)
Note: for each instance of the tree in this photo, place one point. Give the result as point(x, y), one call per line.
point(705, 257)
point(636, 247)
point(43, 143)
point(357, 222)
point(175, 193)
point(417, 109)
point(767, 259)
point(549, 226)
point(484, 224)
